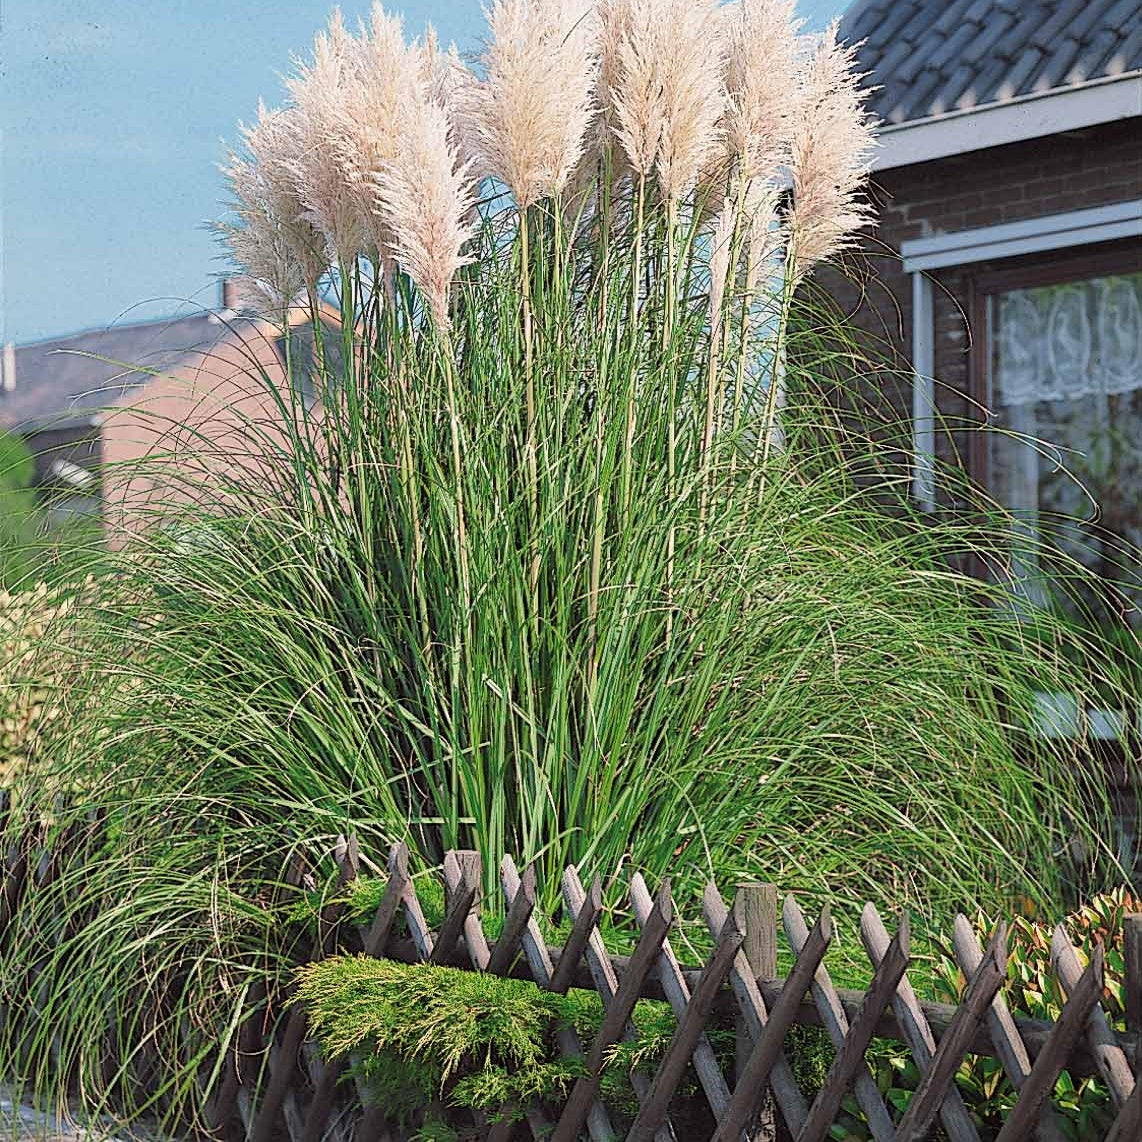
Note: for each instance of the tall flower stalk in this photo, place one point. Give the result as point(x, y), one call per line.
point(638, 355)
point(529, 118)
point(618, 423)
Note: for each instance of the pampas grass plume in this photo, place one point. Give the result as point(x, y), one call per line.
point(378, 75)
point(668, 94)
point(424, 196)
point(277, 247)
point(762, 84)
point(529, 117)
point(693, 95)
point(831, 144)
point(321, 91)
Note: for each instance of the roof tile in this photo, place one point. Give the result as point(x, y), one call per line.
point(948, 53)
point(929, 56)
point(1018, 78)
point(983, 49)
point(1064, 52)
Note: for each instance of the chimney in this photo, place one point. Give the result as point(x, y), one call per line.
point(229, 295)
point(8, 369)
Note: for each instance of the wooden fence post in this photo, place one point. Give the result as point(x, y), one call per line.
point(755, 910)
point(1132, 954)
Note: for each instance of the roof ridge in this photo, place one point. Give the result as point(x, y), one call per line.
point(96, 330)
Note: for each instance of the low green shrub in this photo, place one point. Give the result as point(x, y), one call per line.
point(40, 644)
point(425, 1039)
point(427, 1034)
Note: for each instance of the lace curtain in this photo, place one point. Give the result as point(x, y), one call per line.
point(1067, 386)
point(1067, 342)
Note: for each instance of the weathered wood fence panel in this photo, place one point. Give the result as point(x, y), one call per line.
point(274, 1086)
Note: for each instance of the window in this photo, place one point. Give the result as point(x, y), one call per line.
point(1063, 379)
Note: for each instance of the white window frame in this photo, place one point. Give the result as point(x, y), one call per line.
point(985, 243)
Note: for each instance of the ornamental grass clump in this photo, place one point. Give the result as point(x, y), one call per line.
point(566, 558)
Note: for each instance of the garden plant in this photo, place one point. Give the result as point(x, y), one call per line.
point(561, 550)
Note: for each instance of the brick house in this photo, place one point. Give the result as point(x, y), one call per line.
point(1005, 267)
point(92, 405)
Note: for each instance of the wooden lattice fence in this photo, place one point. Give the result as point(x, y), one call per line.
point(275, 1086)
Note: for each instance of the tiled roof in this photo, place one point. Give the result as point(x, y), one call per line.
point(70, 377)
point(929, 57)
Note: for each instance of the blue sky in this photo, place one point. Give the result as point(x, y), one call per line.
point(114, 117)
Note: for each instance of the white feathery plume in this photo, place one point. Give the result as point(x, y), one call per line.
point(764, 234)
point(693, 96)
point(378, 74)
point(831, 145)
point(320, 93)
point(278, 248)
point(668, 96)
point(762, 83)
point(448, 82)
point(601, 150)
point(636, 83)
point(260, 249)
point(614, 30)
point(440, 69)
point(424, 196)
point(529, 116)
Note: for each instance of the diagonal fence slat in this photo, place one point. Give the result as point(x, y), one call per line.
point(284, 1054)
point(459, 898)
point(586, 917)
point(750, 1087)
point(542, 971)
point(956, 1121)
point(377, 936)
point(463, 872)
point(752, 1006)
point(618, 1005)
point(687, 1035)
point(602, 971)
point(1128, 1125)
point(418, 928)
point(1009, 1046)
point(1108, 1055)
point(519, 913)
point(678, 995)
point(939, 1076)
point(400, 896)
point(850, 1057)
point(394, 894)
point(1048, 1065)
point(836, 1023)
point(508, 947)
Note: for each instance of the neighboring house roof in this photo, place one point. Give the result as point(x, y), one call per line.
point(932, 57)
point(69, 379)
